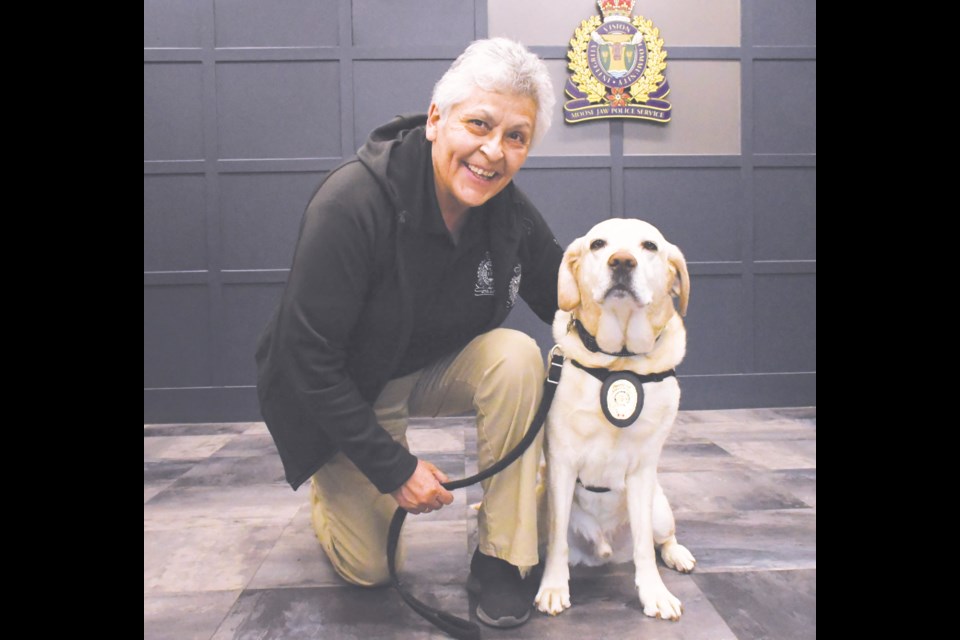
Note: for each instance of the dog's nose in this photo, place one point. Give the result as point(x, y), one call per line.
point(622, 260)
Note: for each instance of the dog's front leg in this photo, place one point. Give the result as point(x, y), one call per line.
point(656, 599)
point(554, 594)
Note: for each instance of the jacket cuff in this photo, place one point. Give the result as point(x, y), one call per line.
point(399, 474)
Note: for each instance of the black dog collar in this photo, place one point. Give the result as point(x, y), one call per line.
point(591, 343)
point(621, 396)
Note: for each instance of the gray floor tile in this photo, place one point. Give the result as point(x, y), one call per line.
point(344, 613)
point(182, 447)
point(451, 422)
point(151, 490)
point(776, 428)
point(185, 616)
point(769, 604)
point(442, 440)
point(203, 429)
point(296, 560)
point(436, 553)
point(229, 551)
point(753, 540)
point(234, 472)
point(604, 604)
point(725, 491)
point(258, 501)
point(800, 482)
point(780, 454)
point(697, 456)
point(248, 446)
point(256, 428)
point(159, 471)
point(217, 555)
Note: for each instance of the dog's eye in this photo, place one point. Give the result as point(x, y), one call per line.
point(597, 244)
point(649, 246)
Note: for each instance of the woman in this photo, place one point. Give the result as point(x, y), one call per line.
point(410, 256)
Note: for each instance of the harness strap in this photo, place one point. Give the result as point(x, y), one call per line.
point(452, 625)
point(590, 487)
point(602, 374)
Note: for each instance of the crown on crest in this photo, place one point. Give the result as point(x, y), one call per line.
point(618, 8)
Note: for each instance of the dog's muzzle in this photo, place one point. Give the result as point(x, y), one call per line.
point(622, 266)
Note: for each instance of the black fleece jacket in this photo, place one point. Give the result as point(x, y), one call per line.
point(346, 315)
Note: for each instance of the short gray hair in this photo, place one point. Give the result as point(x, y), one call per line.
point(499, 65)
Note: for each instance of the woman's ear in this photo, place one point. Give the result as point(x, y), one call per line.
point(568, 290)
point(433, 122)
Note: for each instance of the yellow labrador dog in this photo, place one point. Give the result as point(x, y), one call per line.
point(614, 407)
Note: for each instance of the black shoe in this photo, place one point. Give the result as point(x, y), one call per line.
point(505, 601)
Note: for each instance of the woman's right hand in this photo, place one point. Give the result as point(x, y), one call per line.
point(422, 492)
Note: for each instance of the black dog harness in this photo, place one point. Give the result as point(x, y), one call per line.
point(621, 396)
point(454, 626)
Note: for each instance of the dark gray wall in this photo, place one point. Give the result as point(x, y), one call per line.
point(248, 103)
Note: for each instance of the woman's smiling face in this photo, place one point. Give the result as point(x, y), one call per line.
point(479, 146)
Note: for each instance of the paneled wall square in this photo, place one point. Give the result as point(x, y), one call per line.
point(582, 139)
point(553, 22)
point(172, 23)
point(174, 231)
point(785, 106)
point(176, 338)
point(260, 217)
point(247, 308)
point(706, 116)
point(785, 213)
point(571, 200)
point(386, 88)
point(278, 109)
point(172, 111)
point(278, 23)
point(714, 320)
point(785, 23)
point(785, 317)
point(699, 210)
point(404, 22)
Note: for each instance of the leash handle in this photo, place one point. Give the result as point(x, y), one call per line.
point(458, 627)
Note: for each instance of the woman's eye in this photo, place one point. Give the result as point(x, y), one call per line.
point(648, 245)
point(518, 137)
point(480, 124)
point(597, 244)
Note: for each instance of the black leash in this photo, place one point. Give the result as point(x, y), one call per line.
point(454, 626)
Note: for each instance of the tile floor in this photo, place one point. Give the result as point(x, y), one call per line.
point(228, 551)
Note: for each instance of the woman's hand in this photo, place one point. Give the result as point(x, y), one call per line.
point(422, 492)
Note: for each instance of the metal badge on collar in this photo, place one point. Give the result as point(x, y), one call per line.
point(621, 398)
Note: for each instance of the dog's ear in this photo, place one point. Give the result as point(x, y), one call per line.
point(568, 291)
point(681, 278)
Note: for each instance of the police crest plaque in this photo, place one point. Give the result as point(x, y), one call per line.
point(618, 66)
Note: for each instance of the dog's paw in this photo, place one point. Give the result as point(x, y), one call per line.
point(553, 600)
point(658, 602)
point(676, 556)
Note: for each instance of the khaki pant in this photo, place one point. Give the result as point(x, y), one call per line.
point(500, 376)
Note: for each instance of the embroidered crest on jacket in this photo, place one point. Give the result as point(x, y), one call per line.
point(484, 285)
point(514, 287)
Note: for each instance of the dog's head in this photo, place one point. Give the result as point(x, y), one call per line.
point(619, 281)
